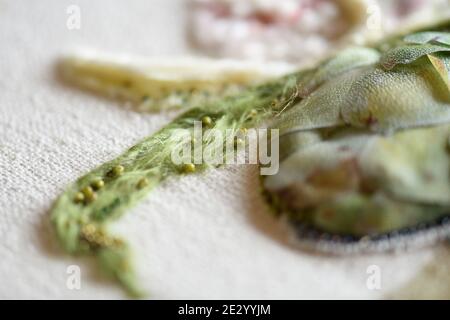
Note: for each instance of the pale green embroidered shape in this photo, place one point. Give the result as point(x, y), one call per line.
point(355, 145)
point(367, 154)
point(81, 213)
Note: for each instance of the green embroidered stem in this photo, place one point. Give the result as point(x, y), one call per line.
point(81, 214)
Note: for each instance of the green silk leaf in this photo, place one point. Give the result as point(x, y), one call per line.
point(374, 98)
point(428, 37)
point(409, 53)
point(344, 61)
point(441, 63)
point(409, 96)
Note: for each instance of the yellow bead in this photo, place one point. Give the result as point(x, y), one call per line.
point(91, 198)
point(89, 194)
point(79, 197)
point(142, 183)
point(189, 168)
point(87, 191)
point(207, 121)
point(97, 184)
point(117, 171)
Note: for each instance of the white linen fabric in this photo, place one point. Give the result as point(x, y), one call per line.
point(203, 236)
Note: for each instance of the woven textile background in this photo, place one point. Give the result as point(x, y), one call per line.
point(207, 236)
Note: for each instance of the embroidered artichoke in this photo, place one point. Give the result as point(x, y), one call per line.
point(366, 149)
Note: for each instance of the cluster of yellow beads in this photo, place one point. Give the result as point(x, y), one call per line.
point(88, 194)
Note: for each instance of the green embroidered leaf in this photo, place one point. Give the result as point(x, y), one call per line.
point(373, 98)
point(357, 183)
point(428, 37)
point(409, 53)
point(322, 108)
point(411, 95)
point(344, 61)
point(411, 168)
point(442, 65)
